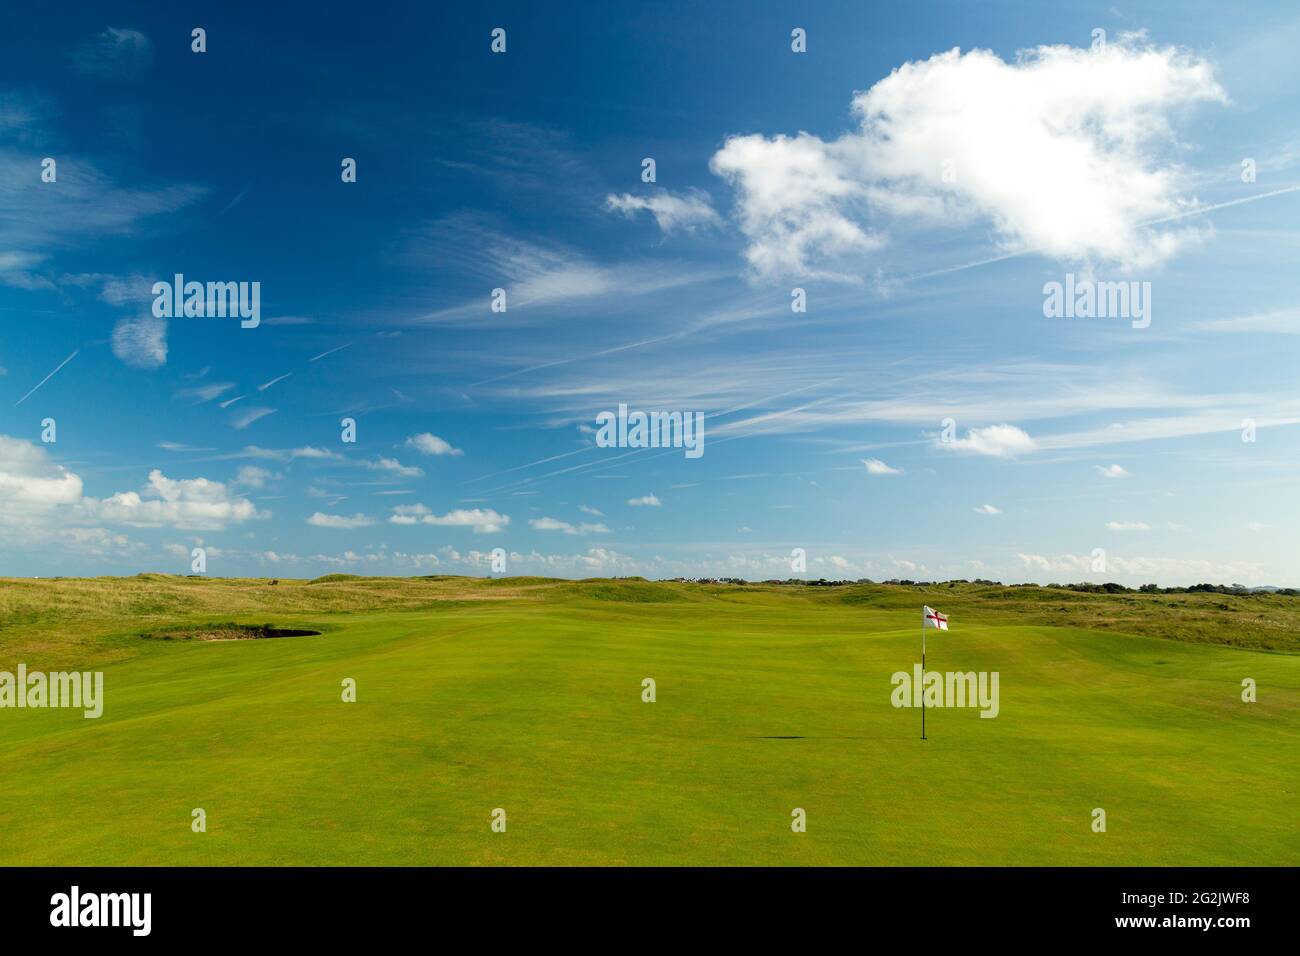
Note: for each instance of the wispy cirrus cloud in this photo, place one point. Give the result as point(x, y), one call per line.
point(205, 393)
point(242, 419)
point(87, 203)
point(671, 211)
point(536, 275)
point(1276, 322)
point(114, 53)
point(555, 524)
point(43, 220)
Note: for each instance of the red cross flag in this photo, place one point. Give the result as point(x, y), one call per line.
point(933, 618)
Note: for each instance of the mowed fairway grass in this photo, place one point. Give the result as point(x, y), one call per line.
point(525, 694)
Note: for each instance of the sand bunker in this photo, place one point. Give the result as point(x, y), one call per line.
point(231, 632)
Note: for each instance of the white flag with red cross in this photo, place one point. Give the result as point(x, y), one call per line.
point(933, 618)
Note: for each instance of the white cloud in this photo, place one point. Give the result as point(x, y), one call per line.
point(100, 542)
point(482, 520)
point(670, 211)
point(1128, 526)
point(390, 465)
point(1166, 571)
point(554, 524)
point(394, 466)
point(796, 202)
point(429, 444)
point(409, 514)
point(600, 559)
point(341, 522)
point(277, 454)
point(1063, 152)
point(141, 342)
point(987, 510)
point(37, 493)
point(1038, 562)
point(998, 441)
point(253, 477)
point(307, 451)
point(1111, 471)
point(29, 480)
point(877, 467)
point(645, 500)
point(188, 503)
point(587, 509)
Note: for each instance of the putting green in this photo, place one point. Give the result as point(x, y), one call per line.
point(526, 695)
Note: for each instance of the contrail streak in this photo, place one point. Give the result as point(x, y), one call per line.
point(263, 388)
point(1222, 205)
point(48, 377)
point(330, 352)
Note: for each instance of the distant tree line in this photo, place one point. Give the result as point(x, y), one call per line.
point(1083, 587)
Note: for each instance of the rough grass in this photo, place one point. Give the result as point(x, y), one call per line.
point(68, 611)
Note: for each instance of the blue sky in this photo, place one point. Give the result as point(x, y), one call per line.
point(921, 172)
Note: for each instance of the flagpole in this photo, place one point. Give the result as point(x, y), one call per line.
point(922, 675)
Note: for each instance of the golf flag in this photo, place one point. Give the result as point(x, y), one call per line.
point(932, 618)
point(929, 618)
